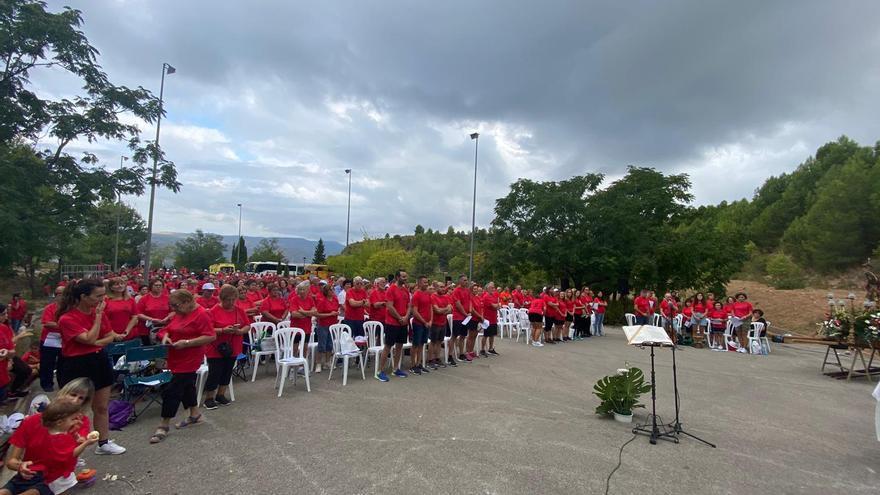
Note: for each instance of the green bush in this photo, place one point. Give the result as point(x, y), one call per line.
point(784, 273)
point(616, 309)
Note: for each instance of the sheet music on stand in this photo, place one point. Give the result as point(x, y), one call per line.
point(646, 335)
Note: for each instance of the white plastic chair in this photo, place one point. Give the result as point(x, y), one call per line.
point(202, 378)
point(524, 326)
point(754, 336)
point(336, 331)
point(677, 322)
point(446, 340)
point(657, 320)
point(289, 358)
point(255, 333)
point(282, 324)
point(312, 346)
point(630, 319)
point(765, 340)
point(729, 333)
point(372, 328)
point(406, 345)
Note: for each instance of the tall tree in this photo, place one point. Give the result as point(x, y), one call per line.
point(319, 258)
point(199, 251)
point(239, 254)
point(268, 250)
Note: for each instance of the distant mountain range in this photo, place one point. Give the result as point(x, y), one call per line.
point(295, 248)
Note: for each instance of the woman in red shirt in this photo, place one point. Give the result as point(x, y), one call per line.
point(245, 303)
point(536, 318)
point(741, 310)
point(699, 320)
point(718, 318)
point(17, 310)
point(230, 324)
point(687, 316)
point(302, 308)
point(327, 306)
point(273, 307)
point(121, 309)
point(153, 309)
point(599, 305)
point(186, 336)
point(85, 330)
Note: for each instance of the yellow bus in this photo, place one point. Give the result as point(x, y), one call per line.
point(221, 267)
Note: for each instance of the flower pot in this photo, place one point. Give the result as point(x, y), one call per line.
point(623, 418)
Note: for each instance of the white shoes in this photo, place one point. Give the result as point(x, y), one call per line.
point(318, 368)
point(537, 344)
point(109, 448)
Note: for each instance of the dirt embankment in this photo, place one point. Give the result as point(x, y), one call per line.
point(795, 311)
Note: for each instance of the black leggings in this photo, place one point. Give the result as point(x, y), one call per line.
point(21, 372)
point(181, 390)
point(219, 372)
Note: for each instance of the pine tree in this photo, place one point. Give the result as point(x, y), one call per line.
point(234, 257)
point(319, 258)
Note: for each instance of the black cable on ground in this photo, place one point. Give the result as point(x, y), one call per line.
point(619, 463)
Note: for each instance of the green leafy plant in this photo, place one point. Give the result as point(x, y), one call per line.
point(620, 393)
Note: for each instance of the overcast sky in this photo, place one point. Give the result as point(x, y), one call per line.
point(272, 100)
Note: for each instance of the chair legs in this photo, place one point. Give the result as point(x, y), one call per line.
point(286, 369)
point(256, 365)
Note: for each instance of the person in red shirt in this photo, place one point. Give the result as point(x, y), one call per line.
point(718, 318)
point(355, 304)
point(491, 301)
point(7, 351)
point(44, 451)
point(230, 323)
point(441, 305)
point(741, 310)
point(517, 297)
point(599, 305)
point(50, 343)
point(274, 308)
point(581, 323)
point(121, 309)
point(208, 300)
point(328, 314)
point(244, 303)
point(668, 310)
point(154, 310)
point(186, 336)
point(399, 307)
point(253, 292)
point(85, 330)
point(461, 310)
point(642, 308)
point(536, 317)
point(377, 300)
point(687, 313)
point(699, 321)
point(302, 308)
point(553, 315)
point(422, 314)
point(17, 309)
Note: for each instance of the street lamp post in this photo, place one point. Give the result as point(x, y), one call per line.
point(238, 254)
point(348, 217)
point(166, 69)
point(118, 213)
point(476, 138)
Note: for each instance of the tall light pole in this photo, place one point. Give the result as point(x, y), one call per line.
point(476, 138)
point(166, 69)
point(118, 213)
point(238, 256)
point(348, 217)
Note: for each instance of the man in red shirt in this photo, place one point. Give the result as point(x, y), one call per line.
point(742, 311)
point(441, 305)
point(355, 303)
point(518, 297)
point(553, 317)
point(422, 314)
point(398, 308)
point(491, 303)
point(668, 309)
point(642, 308)
point(461, 312)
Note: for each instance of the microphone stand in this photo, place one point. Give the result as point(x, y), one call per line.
point(676, 425)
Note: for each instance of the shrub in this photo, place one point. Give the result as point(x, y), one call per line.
point(783, 273)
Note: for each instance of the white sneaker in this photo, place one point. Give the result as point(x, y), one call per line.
point(537, 344)
point(109, 448)
point(318, 368)
point(741, 349)
point(80, 463)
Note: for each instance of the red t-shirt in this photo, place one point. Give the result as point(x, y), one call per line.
point(327, 305)
point(399, 298)
point(728, 308)
point(351, 312)
point(537, 306)
point(642, 305)
point(718, 314)
point(221, 318)
point(550, 311)
point(297, 304)
point(600, 309)
point(246, 305)
point(464, 296)
point(6, 336)
point(441, 301)
point(187, 327)
point(48, 317)
point(742, 309)
point(688, 311)
point(154, 307)
point(17, 310)
point(667, 309)
point(421, 301)
point(518, 299)
point(75, 322)
point(208, 302)
point(700, 308)
point(275, 306)
point(51, 453)
point(377, 313)
point(120, 312)
point(490, 313)
point(254, 296)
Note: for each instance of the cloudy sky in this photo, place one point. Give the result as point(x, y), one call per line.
point(272, 100)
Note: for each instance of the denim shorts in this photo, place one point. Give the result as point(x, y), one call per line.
point(322, 337)
point(420, 334)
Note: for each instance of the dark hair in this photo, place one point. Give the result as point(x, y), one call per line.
point(760, 313)
point(2, 308)
point(58, 410)
point(74, 292)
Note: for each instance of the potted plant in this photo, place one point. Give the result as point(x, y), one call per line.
point(620, 393)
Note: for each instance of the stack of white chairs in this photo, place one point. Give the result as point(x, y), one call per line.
point(257, 331)
point(336, 332)
point(503, 321)
point(289, 356)
point(447, 341)
point(524, 326)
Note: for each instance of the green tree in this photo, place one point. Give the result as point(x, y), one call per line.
point(424, 263)
point(98, 240)
point(200, 250)
point(784, 273)
point(162, 255)
point(239, 254)
point(268, 250)
point(319, 258)
point(389, 261)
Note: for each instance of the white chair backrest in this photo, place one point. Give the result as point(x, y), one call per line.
point(728, 329)
point(657, 319)
point(676, 322)
point(755, 329)
point(259, 329)
point(511, 305)
point(283, 324)
point(335, 330)
point(284, 342)
point(630, 319)
point(374, 329)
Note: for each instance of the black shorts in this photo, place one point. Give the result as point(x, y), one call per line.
point(536, 318)
point(458, 329)
point(569, 318)
point(20, 485)
point(395, 334)
point(491, 331)
point(437, 333)
point(357, 327)
point(95, 366)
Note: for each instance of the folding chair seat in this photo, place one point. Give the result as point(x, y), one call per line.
point(145, 384)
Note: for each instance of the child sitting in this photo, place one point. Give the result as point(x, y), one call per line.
point(32, 357)
point(44, 450)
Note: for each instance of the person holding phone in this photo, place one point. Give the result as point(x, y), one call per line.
point(231, 322)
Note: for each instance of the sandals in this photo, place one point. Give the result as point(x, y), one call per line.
point(190, 421)
point(159, 435)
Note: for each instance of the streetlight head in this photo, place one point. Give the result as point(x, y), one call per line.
point(475, 135)
point(169, 69)
point(239, 205)
point(348, 170)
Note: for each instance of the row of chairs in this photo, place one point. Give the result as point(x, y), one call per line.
point(757, 339)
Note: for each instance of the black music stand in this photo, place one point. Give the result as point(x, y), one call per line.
point(652, 428)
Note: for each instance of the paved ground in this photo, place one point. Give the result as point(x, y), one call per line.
point(522, 423)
